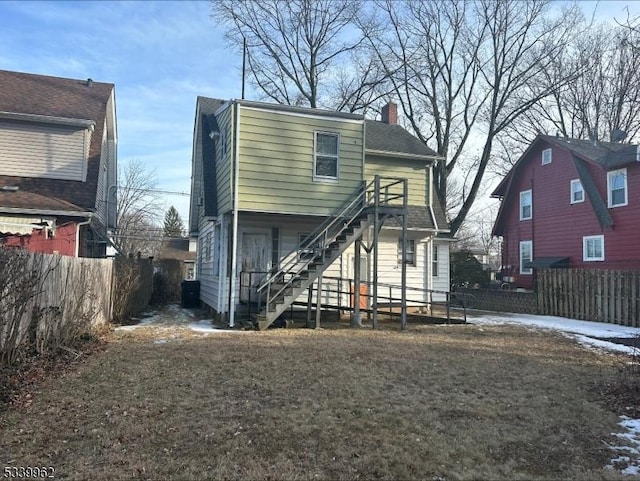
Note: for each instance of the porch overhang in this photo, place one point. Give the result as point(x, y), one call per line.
point(548, 263)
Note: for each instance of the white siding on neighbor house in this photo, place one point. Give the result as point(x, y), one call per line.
point(103, 176)
point(39, 150)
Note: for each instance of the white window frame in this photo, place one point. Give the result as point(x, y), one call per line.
point(576, 182)
point(610, 176)
point(546, 156)
point(316, 154)
point(522, 194)
point(411, 251)
point(524, 270)
point(585, 248)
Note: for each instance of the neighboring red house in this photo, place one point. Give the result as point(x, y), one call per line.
point(58, 164)
point(570, 203)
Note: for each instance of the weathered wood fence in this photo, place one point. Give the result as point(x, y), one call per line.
point(604, 295)
point(47, 301)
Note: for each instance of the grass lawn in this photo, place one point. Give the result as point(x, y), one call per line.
point(434, 403)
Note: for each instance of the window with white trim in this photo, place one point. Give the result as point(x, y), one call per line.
point(577, 191)
point(617, 187)
point(526, 256)
point(325, 159)
point(593, 248)
point(410, 256)
point(525, 205)
point(434, 261)
point(546, 156)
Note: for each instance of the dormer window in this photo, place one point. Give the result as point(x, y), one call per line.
point(577, 192)
point(546, 156)
point(617, 187)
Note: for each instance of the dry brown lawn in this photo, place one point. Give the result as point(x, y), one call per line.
point(434, 403)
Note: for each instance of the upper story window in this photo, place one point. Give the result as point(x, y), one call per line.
point(546, 156)
point(526, 256)
point(577, 192)
point(617, 187)
point(525, 205)
point(410, 255)
point(593, 248)
point(325, 159)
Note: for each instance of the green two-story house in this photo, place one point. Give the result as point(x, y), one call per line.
point(264, 176)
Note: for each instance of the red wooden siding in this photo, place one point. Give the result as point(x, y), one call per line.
point(558, 227)
point(63, 242)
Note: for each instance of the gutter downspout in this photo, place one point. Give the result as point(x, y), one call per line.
point(234, 246)
point(78, 226)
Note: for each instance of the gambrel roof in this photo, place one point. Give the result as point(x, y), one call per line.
point(605, 155)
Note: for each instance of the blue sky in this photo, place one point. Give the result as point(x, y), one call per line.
point(160, 55)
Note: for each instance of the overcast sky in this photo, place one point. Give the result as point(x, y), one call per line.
point(160, 55)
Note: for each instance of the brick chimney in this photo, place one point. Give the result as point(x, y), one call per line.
point(390, 113)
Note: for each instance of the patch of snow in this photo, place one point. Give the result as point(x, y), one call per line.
point(631, 457)
point(206, 326)
point(583, 331)
point(160, 341)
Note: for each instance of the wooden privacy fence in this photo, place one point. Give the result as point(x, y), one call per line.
point(604, 295)
point(48, 301)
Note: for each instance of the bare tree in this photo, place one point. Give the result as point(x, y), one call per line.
point(463, 71)
point(603, 98)
point(138, 210)
point(301, 52)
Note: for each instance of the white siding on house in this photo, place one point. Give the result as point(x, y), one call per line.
point(441, 281)
point(39, 150)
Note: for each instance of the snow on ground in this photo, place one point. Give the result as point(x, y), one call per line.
point(175, 316)
point(629, 450)
point(587, 333)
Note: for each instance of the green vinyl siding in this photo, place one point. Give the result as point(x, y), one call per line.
point(416, 172)
point(276, 162)
point(224, 161)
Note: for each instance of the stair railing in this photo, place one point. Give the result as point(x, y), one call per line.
point(314, 247)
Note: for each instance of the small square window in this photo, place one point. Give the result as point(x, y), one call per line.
point(325, 160)
point(525, 205)
point(617, 187)
point(546, 156)
point(593, 248)
point(577, 192)
point(526, 256)
point(410, 256)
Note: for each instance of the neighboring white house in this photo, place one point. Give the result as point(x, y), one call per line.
point(264, 176)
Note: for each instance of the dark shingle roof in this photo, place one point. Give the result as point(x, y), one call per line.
point(598, 204)
point(394, 138)
point(25, 93)
point(176, 248)
point(419, 217)
point(607, 154)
